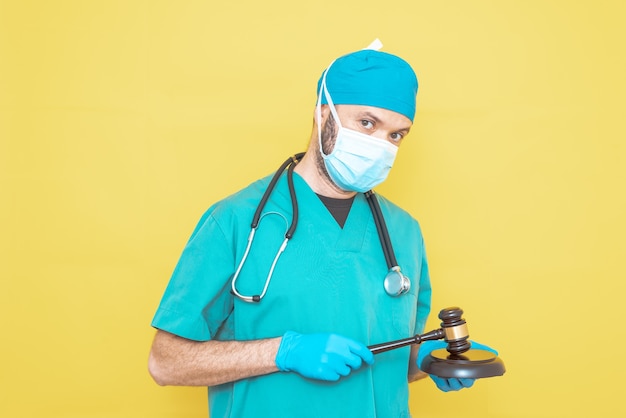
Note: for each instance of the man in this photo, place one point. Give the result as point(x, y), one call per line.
point(299, 347)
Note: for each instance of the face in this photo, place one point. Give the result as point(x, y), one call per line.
point(380, 123)
point(377, 122)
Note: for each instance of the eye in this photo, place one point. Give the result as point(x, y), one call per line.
point(396, 137)
point(367, 124)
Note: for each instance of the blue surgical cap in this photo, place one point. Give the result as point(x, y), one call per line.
point(372, 78)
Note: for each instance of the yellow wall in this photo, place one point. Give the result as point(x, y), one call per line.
point(121, 121)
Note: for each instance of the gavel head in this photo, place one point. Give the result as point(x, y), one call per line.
point(455, 330)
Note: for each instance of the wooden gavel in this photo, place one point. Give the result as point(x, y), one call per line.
point(453, 331)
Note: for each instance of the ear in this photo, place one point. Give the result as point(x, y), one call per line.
point(323, 114)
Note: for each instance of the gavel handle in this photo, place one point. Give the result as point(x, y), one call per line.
point(416, 339)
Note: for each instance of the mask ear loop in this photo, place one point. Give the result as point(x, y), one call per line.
point(318, 109)
point(375, 45)
point(318, 117)
point(331, 105)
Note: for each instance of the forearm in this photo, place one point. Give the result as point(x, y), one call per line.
point(181, 362)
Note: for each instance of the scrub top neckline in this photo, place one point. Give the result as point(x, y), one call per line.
point(338, 208)
point(311, 208)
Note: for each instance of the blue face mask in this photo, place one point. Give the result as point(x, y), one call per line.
point(358, 162)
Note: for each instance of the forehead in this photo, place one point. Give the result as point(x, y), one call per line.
point(385, 116)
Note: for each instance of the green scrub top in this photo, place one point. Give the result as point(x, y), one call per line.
point(329, 279)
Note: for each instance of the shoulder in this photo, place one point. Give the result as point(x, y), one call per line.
point(236, 208)
point(393, 209)
point(246, 198)
point(397, 217)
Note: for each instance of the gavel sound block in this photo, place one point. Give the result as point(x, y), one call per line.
point(458, 360)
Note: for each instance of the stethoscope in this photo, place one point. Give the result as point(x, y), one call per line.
point(395, 284)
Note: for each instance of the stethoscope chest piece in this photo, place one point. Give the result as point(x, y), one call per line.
point(396, 283)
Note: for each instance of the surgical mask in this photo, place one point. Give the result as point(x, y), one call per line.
point(358, 162)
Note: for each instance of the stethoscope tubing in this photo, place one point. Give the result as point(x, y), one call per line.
point(291, 163)
point(381, 227)
point(379, 221)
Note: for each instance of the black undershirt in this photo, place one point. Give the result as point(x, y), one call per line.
point(339, 208)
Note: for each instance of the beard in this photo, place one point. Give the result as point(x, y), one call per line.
point(329, 137)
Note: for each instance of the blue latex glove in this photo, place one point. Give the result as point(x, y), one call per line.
point(321, 356)
point(447, 384)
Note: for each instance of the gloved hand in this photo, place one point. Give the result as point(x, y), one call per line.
point(321, 356)
point(447, 384)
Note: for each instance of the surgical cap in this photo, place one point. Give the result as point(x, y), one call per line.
point(371, 78)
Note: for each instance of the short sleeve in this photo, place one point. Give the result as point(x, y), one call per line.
point(197, 302)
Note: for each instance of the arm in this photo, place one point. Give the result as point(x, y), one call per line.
point(181, 362)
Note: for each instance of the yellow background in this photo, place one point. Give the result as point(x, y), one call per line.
point(121, 121)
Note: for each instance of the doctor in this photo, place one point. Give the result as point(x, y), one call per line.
point(300, 350)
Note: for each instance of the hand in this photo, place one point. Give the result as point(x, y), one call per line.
point(321, 356)
point(447, 384)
